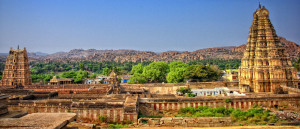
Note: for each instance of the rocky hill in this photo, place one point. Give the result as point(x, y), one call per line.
point(122, 55)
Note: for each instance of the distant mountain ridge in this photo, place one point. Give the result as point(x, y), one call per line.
point(123, 55)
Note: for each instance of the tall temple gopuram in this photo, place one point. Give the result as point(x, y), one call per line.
point(16, 71)
point(265, 66)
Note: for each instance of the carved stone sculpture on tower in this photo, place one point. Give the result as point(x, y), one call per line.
point(265, 66)
point(16, 71)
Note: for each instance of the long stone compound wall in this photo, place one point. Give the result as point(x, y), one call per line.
point(114, 111)
point(170, 88)
point(125, 107)
point(185, 122)
point(153, 88)
point(3, 104)
point(242, 102)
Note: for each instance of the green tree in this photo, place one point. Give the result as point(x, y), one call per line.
point(201, 73)
point(2, 65)
point(81, 66)
point(177, 64)
point(69, 74)
point(137, 69)
point(156, 71)
point(176, 76)
point(177, 69)
point(107, 70)
point(297, 64)
point(80, 76)
point(93, 76)
point(47, 78)
point(41, 77)
point(137, 78)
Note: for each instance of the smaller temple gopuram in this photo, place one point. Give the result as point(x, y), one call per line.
point(16, 71)
point(114, 83)
point(265, 67)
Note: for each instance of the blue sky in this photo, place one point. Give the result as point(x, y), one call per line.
point(156, 25)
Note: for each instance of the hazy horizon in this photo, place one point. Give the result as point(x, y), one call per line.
point(51, 26)
point(107, 49)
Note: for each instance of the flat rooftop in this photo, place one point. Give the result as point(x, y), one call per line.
point(38, 121)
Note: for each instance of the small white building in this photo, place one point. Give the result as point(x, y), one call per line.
point(92, 81)
point(216, 91)
point(98, 80)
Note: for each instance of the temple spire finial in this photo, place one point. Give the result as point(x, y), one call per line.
point(259, 5)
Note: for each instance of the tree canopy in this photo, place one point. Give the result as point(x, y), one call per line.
point(156, 71)
point(177, 69)
point(201, 73)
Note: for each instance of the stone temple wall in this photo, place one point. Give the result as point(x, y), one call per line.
point(170, 88)
point(3, 104)
point(154, 88)
point(242, 102)
point(185, 122)
point(115, 112)
point(127, 110)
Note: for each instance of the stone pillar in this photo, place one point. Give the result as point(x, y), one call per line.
point(131, 117)
point(108, 114)
point(118, 115)
point(234, 105)
point(101, 112)
point(241, 104)
point(175, 106)
point(135, 119)
point(125, 117)
point(115, 115)
point(84, 113)
point(160, 106)
point(112, 115)
point(165, 107)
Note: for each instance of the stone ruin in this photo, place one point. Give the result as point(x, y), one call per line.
point(265, 68)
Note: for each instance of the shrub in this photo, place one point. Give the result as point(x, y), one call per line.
point(116, 126)
point(228, 100)
point(102, 118)
point(184, 90)
point(191, 95)
point(251, 116)
point(140, 115)
point(144, 121)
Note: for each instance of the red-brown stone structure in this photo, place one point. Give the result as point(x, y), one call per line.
point(114, 83)
point(16, 72)
point(265, 66)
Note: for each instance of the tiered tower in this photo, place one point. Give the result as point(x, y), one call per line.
point(16, 72)
point(265, 66)
point(114, 83)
